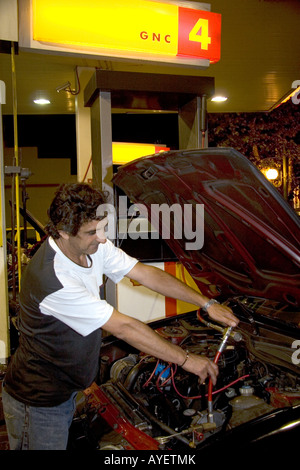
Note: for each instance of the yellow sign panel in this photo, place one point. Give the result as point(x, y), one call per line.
point(135, 26)
point(124, 152)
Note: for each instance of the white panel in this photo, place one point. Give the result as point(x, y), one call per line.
point(9, 20)
point(140, 302)
point(4, 330)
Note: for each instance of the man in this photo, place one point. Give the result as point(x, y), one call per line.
point(62, 315)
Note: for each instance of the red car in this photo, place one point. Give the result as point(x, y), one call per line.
point(249, 258)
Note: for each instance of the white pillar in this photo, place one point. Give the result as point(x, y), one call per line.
point(4, 311)
point(83, 128)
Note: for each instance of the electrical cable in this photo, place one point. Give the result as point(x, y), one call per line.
point(214, 392)
point(172, 377)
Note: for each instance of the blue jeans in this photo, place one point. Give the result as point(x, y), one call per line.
point(37, 428)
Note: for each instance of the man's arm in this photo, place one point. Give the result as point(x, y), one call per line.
point(168, 285)
point(143, 338)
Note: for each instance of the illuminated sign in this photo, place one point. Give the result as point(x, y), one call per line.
point(139, 28)
point(124, 152)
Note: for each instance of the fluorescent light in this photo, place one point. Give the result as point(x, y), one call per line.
point(219, 98)
point(41, 101)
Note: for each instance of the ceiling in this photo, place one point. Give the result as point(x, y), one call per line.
point(260, 59)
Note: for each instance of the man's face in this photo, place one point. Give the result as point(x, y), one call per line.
point(87, 239)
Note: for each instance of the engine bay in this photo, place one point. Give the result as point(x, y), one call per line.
point(143, 403)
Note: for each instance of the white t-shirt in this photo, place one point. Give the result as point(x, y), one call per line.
point(78, 303)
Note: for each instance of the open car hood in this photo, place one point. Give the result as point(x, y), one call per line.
point(251, 234)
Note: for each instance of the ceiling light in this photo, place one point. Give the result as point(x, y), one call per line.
point(41, 101)
point(219, 98)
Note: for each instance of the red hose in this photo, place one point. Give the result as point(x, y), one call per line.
point(210, 384)
point(216, 359)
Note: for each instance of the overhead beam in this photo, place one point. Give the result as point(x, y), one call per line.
point(134, 90)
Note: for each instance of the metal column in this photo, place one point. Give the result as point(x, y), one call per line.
point(101, 132)
point(192, 124)
point(4, 311)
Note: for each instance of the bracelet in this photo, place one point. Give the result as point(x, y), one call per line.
point(208, 304)
point(186, 358)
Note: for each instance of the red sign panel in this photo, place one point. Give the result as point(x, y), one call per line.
point(199, 34)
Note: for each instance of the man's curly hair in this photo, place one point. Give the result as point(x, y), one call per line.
point(73, 205)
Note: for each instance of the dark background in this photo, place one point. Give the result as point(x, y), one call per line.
point(55, 135)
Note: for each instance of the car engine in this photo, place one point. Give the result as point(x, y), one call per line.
point(144, 403)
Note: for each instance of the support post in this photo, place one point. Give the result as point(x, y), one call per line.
point(285, 176)
point(83, 129)
point(192, 124)
point(101, 133)
point(4, 310)
point(102, 162)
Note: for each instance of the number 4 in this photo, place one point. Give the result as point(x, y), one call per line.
point(202, 27)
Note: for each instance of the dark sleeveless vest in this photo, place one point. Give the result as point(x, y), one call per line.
point(52, 360)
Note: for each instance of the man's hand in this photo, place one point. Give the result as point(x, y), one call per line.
point(201, 366)
point(162, 282)
point(143, 338)
point(222, 314)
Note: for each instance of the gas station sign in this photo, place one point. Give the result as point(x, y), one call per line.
point(141, 29)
